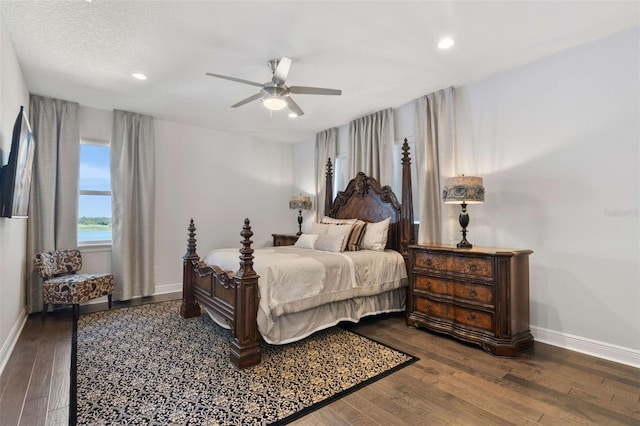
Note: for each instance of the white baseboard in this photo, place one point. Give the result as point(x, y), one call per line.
point(12, 339)
point(583, 345)
point(161, 289)
point(168, 288)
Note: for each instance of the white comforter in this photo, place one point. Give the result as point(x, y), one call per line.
point(294, 280)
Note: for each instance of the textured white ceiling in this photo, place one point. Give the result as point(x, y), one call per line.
point(381, 54)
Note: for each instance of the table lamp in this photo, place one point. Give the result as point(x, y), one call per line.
point(300, 202)
point(463, 190)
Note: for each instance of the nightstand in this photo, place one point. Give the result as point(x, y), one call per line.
point(284, 239)
point(479, 295)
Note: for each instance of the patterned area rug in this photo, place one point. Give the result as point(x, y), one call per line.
point(148, 365)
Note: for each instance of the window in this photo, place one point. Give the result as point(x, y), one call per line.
point(94, 201)
point(340, 171)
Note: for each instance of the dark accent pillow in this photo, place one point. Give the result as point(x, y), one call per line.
point(356, 235)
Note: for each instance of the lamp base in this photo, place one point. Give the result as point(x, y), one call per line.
point(299, 223)
point(464, 221)
point(464, 243)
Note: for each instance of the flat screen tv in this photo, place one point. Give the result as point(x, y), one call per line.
point(15, 176)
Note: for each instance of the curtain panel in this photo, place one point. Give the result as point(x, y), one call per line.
point(133, 203)
point(326, 148)
point(434, 130)
point(53, 206)
point(371, 146)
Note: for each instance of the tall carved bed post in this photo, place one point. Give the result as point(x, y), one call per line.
point(189, 307)
point(328, 192)
point(407, 235)
point(245, 347)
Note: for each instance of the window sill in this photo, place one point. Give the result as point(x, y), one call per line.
point(95, 247)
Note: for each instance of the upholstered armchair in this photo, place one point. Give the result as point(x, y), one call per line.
point(64, 286)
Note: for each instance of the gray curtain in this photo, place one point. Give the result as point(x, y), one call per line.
point(53, 200)
point(371, 146)
point(434, 149)
point(326, 147)
point(133, 199)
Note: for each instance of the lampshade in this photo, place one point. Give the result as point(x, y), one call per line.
point(274, 103)
point(300, 202)
point(463, 189)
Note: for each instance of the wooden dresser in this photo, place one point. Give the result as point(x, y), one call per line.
point(284, 239)
point(479, 295)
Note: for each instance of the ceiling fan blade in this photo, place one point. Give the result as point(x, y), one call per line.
point(302, 90)
point(239, 80)
point(293, 107)
point(282, 71)
point(249, 99)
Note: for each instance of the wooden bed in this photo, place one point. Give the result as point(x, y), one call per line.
point(234, 297)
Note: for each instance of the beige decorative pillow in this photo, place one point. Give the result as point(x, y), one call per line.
point(306, 241)
point(319, 228)
point(375, 237)
point(358, 230)
point(331, 243)
point(340, 229)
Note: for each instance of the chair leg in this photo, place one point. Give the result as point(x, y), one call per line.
point(109, 297)
point(45, 307)
point(76, 311)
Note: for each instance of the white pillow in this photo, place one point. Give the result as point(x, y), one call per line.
point(375, 235)
point(319, 228)
point(330, 243)
point(306, 241)
point(328, 219)
point(341, 229)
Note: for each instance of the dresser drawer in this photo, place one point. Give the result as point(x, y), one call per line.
point(455, 314)
point(473, 318)
point(468, 265)
point(475, 293)
point(434, 309)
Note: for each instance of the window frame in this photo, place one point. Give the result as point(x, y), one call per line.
point(94, 243)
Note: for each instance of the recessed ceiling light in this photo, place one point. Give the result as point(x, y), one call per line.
point(139, 76)
point(446, 43)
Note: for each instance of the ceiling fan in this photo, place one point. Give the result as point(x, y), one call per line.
point(275, 94)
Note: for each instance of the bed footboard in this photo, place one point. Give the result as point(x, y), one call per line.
point(230, 297)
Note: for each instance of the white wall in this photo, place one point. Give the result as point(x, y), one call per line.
point(13, 232)
point(558, 145)
point(303, 155)
point(218, 179)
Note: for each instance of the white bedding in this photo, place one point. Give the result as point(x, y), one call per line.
point(293, 282)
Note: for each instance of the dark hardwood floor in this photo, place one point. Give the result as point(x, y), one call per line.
point(453, 383)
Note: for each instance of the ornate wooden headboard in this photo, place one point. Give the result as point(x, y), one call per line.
point(365, 199)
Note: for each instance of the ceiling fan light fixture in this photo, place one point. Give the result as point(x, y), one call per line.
point(274, 103)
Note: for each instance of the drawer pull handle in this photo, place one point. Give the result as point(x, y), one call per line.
point(427, 308)
point(472, 293)
point(473, 268)
point(471, 317)
point(427, 262)
point(428, 285)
